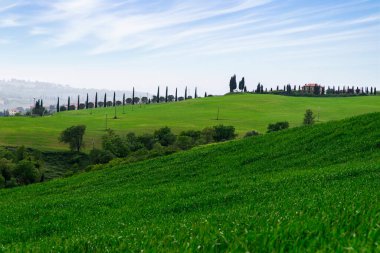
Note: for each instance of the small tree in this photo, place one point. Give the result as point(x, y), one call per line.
point(233, 84)
point(74, 137)
point(309, 118)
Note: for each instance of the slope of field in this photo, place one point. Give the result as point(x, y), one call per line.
point(306, 189)
point(244, 112)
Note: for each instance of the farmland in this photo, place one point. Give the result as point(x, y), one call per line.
point(305, 189)
point(243, 111)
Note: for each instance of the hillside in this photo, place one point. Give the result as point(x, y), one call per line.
point(243, 111)
point(305, 189)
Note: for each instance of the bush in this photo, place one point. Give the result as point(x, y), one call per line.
point(223, 133)
point(164, 136)
point(207, 135)
point(251, 133)
point(278, 126)
point(115, 144)
point(147, 140)
point(26, 173)
point(184, 142)
point(98, 156)
point(133, 143)
point(2, 182)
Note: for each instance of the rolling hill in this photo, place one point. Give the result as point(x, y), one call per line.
point(243, 111)
point(306, 189)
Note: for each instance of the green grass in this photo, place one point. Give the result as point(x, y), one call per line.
point(307, 189)
point(245, 112)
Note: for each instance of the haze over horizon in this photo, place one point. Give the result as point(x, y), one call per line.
point(117, 44)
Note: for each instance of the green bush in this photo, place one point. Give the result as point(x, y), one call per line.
point(251, 133)
point(278, 126)
point(115, 144)
point(98, 156)
point(224, 133)
point(2, 182)
point(184, 142)
point(165, 136)
point(26, 173)
point(207, 135)
point(147, 140)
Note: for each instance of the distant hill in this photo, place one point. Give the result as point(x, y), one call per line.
point(19, 93)
point(307, 189)
point(246, 112)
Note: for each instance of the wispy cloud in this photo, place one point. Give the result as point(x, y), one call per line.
point(104, 26)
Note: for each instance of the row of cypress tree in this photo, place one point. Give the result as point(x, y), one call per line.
point(133, 100)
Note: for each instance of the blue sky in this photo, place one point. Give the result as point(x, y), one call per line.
point(118, 44)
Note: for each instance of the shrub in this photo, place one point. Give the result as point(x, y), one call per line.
point(224, 133)
point(184, 142)
point(207, 135)
point(278, 126)
point(309, 118)
point(25, 172)
point(115, 144)
point(251, 133)
point(2, 182)
point(147, 140)
point(98, 156)
point(164, 136)
point(133, 143)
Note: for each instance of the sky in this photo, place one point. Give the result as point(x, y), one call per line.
point(118, 44)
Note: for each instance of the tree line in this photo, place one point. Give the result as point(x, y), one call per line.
point(106, 102)
point(295, 90)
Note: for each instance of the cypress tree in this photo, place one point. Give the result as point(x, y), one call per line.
point(166, 94)
point(158, 95)
point(105, 100)
point(133, 96)
point(374, 91)
point(87, 102)
point(124, 99)
point(186, 93)
point(176, 97)
point(68, 104)
point(114, 99)
point(195, 93)
point(78, 103)
point(42, 103)
point(205, 94)
point(96, 100)
point(58, 105)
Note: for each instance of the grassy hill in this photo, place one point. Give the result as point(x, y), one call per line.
point(305, 189)
point(245, 112)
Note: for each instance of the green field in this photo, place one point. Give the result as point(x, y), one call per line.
point(244, 112)
point(307, 189)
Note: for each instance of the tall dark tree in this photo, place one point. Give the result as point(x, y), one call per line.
point(87, 102)
point(114, 99)
point(124, 99)
point(166, 94)
point(242, 84)
point(158, 95)
point(133, 96)
point(96, 100)
point(205, 94)
point(58, 105)
point(176, 94)
point(195, 93)
point(68, 103)
point(233, 83)
point(258, 88)
point(105, 100)
point(78, 103)
point(374, 91)
point(186, 93)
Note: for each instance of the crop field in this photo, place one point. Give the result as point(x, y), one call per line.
point(244, 112)
point(306, 189)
